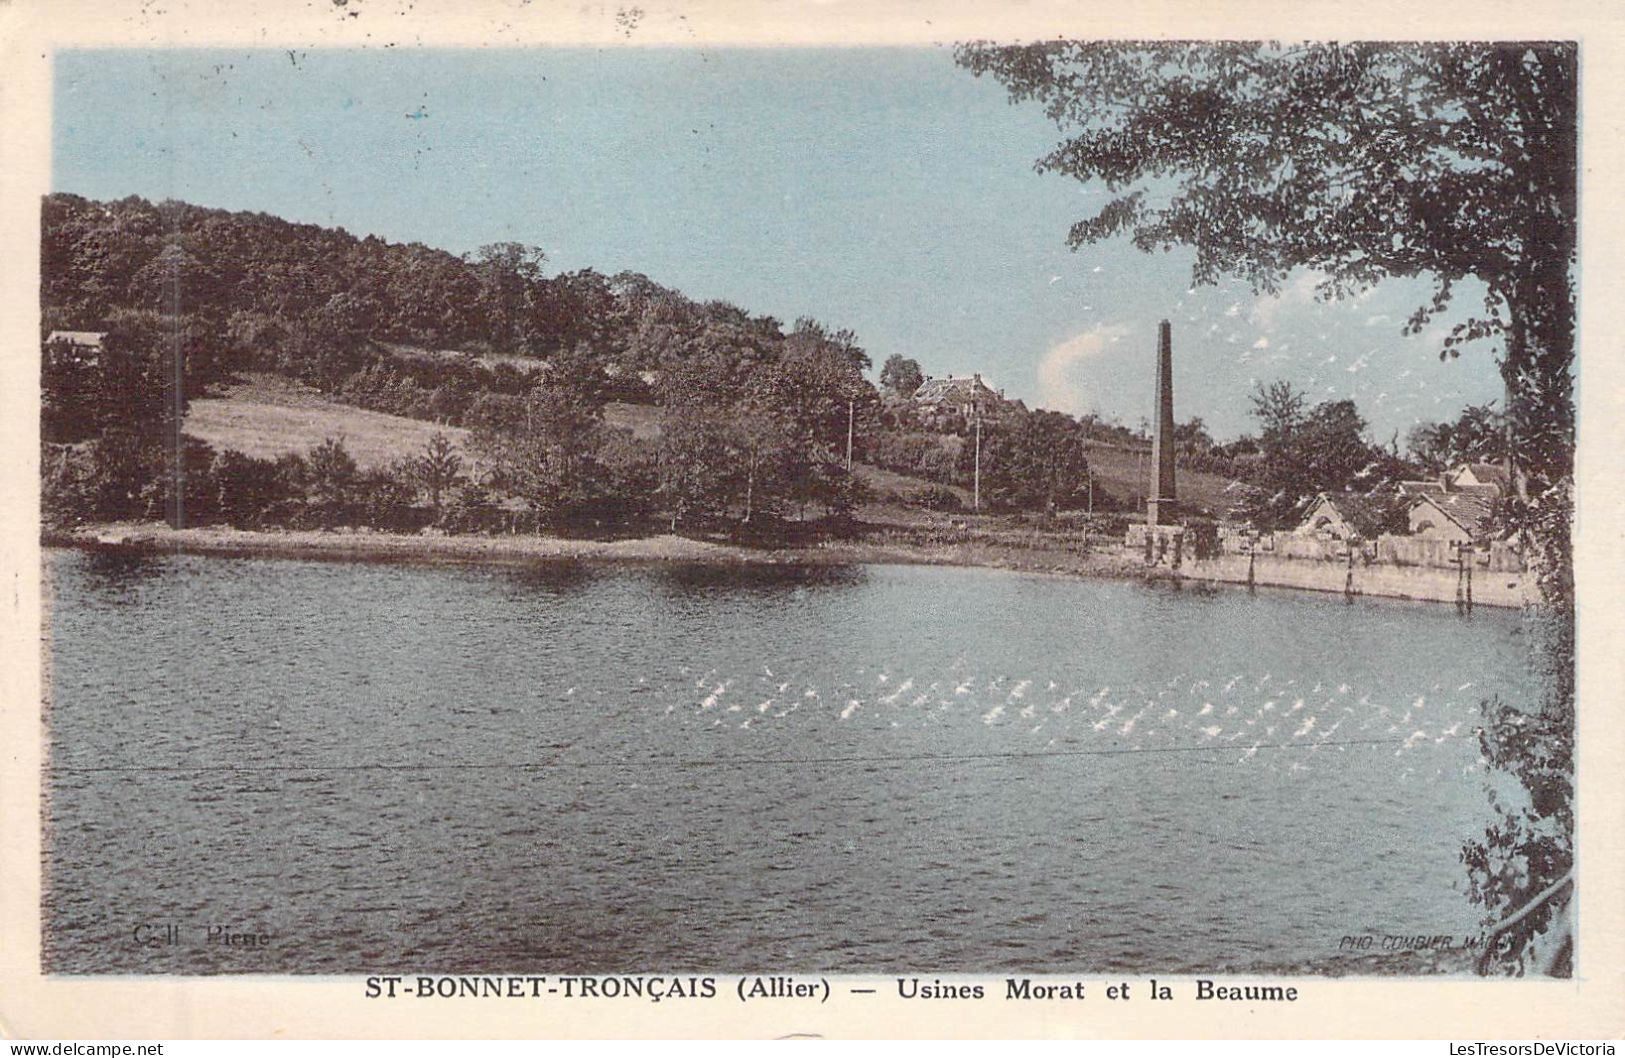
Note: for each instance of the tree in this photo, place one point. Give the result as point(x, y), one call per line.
point(1476, 436)
point(901, 375)
point(386, 493)
point(324, 344)
point(1191, 437)
point(759, 448)
point(1047, 463)
point(693, 462)
point(816, 396)
point(1279, 409)
point(137, 385)
point(631, 475)
point(508, 274)
point(713, 375)
point(332, 475)
point(570, 309)
point(1362, 161)
point(246, 489)
point(1306, 453)
point(492, 418)
point(1031, 462)
point(437, 469)
point(548, 451)
point(1453, 161)
point(69, 390)
point(843, 344)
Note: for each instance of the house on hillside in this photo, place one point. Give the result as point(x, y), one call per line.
point(965, 397)
point(1463, 517)
point(1351, 516)
point(82, 347)
point(959, 396)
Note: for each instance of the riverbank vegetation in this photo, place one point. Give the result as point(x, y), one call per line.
point(1455, 161)
point(575, 402)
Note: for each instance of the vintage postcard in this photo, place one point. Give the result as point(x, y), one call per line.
point(742, 519)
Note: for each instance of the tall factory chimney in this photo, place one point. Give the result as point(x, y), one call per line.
point(1160, 507)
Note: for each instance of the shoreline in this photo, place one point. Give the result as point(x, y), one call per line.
point(1032, 555)
point(470, 549)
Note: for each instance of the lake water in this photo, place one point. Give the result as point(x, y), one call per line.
point(630, 768)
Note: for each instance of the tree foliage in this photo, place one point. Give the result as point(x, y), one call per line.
point(695, 462)
point(1361, 161)
point(901, 375)
point(1306, 451)
point(1032, 462)
point(1478, 435)
point(332, 473)
point(437, 469)
point(547, 453)
point(1364, 161)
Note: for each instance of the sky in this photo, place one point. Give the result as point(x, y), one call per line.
point(877, 189)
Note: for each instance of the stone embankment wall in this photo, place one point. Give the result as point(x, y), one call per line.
point(1391, 566)
point(1487, 587)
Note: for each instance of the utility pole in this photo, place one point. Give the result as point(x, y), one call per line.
point(849, 402)
point(1089, 471)
point(1514, 479)
point(177, 439)
point(976, 494)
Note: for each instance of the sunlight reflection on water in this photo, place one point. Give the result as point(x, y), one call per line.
point(599, 768)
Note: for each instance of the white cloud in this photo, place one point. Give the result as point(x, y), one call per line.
point(1300, 291)
point(1262, 343)
point(1058, 388)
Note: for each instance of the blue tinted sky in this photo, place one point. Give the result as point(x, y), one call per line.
point(883, 190)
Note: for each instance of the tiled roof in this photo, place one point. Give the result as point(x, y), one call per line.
point(936, 390)
point(1367, 515)
point(1486, 473)
point(1469, 510)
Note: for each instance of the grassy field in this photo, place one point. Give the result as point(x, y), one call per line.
point(1123, 473)
point(268, 416)
point(1118, 471)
